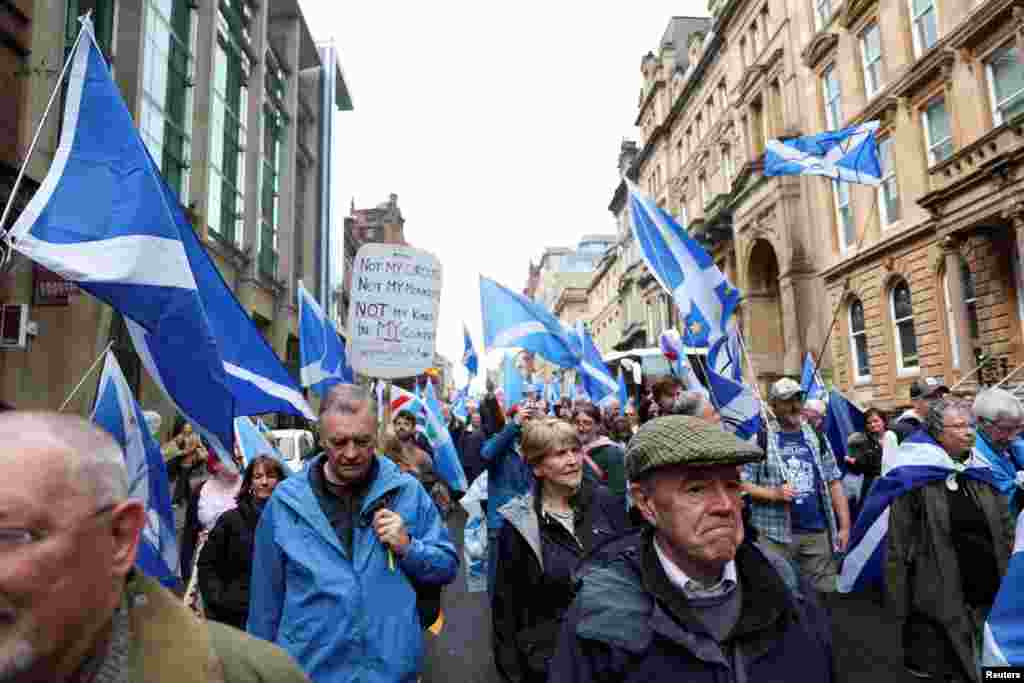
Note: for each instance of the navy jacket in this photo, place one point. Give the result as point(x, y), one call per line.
point(618, 630)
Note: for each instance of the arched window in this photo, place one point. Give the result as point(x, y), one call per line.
point(859, 341)
point(903, 328)
point(970, 309)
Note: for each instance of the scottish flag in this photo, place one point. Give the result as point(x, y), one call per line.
point(447, 464)
point(917, 462)
point(1004, 630)
point(623, 393)
point(117, 412)
point(737, 404)
point(322, 357)
point(253, 442)
point(104, 218)
point(469, 358)
point(843, 418)
point(685, 270)
point(513, 382)
point(460, 408)
point(850, 154)
point(810, 382)
point(598, 381)
point(512, 320)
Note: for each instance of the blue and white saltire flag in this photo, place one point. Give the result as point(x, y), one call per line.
point(117, 412)
point(447, 464)
point(512, 320)
point(810, 382)
point(850, 154)
point(253, 442)
point(460, 408)
point(598, 381)
point(469, 357)
point(512, 381)
point(1004, 630)
point(322, 358)
point(104, 218)
point(842, 419)
point(919, 460)
point(685, 270)
point(623, 393)
point(737, 404)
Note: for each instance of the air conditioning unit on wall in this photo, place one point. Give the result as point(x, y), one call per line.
point(14, 326)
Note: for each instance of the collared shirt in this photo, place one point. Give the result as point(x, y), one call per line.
point(691, 588)
point(773, 519)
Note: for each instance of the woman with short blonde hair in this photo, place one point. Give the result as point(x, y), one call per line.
point(547, 531)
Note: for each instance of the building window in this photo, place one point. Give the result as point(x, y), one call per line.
point(684, 214)
point(970, 298)
point(888, 191)
point(903, 328)
point(822, 13)
point(728, 169)
point(937, 131)
point(165, 119)
point(925, 25)
point(757, 128)
point(954, 340)
point(844, 214)
point(228, 120)
point(274, 121)
point(102, 22)
point(1006, 83)
point(702, 185)
point(859, 341)
point(871, 56)
point(833, 106)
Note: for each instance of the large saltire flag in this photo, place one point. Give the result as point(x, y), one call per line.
point(598, 381)
point(512, 382)
point(469, 357)
point(918, 461)
point(117, 412)
point(447, 464)
point(253, 442)
point(810, 382)
point(104, 218)
point(842, 419)
point(512, 320)
point(322, 358)
point(850, 154)
point(686, 271)
point(1004, 629)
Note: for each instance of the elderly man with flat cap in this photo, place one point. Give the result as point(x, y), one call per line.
point(687, 599)
point(72, 607)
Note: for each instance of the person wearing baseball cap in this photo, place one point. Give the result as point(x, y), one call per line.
point(923, 392)
point(798, 505)
point(686, 598)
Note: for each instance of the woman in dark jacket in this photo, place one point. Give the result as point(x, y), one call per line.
point(603, 460)
point(864, 450)
point(546, 533)
point(225, 563)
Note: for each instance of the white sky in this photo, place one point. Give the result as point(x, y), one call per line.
point(498, 130)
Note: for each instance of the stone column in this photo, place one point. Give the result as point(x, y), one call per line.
point(791, 359)
point(958, 327)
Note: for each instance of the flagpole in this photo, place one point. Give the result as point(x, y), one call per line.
point(84, 377)
point(970, 374)
point(846, 286)
point(35, 140)
point(1011, 374)
point(704, 367)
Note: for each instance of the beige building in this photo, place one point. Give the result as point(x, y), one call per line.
point(228, 100)
point(925, 272)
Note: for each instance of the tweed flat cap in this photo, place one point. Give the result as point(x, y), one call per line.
point(685, 440)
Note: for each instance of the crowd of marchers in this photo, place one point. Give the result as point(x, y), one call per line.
point(622, 545)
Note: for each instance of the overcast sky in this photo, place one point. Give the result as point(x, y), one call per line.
point(498, 130)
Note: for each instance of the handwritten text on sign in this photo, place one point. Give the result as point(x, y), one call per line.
point(396, 296)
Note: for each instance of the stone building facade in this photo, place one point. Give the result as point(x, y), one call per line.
point(228, 100)
point(382, 223)
point(925, 273)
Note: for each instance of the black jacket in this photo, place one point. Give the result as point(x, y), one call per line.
point(469, 449)
point(225, 564)
point(534, 582)
point(866, 452)
point(629, 624)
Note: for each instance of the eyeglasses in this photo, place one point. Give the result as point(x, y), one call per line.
point(15, 538)
point(1010, 430)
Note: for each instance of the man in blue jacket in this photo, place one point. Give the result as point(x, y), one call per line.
point(339, 554)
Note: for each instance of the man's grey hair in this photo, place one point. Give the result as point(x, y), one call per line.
point(349, 399)
point(935, 420)
point(689, 403)
point(994, 405)
point(95, 462)
point(815, 404)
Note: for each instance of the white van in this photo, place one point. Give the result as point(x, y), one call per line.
point(296, 446)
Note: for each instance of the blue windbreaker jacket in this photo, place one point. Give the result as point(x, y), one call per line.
point(508, 475)
point(346, 619)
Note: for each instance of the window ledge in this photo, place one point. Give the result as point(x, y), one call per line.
point(908, 372)
point(862, 381)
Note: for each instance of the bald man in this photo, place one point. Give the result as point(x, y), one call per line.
point(72, 607)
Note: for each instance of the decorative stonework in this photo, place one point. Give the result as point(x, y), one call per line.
point(820, 47)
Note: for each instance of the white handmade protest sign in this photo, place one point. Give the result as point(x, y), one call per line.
point(392, 319)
